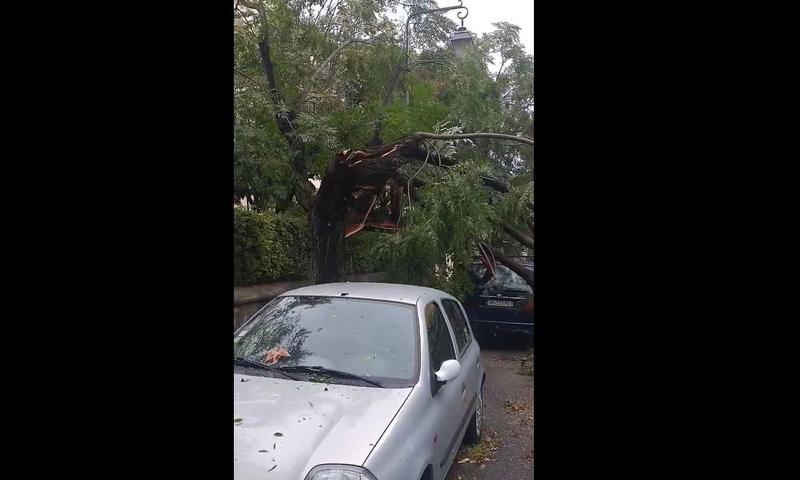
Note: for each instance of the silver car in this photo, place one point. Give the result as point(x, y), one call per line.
point(355, 381)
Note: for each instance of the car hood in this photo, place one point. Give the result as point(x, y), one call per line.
point(287, 427)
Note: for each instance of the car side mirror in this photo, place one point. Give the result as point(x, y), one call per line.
point(448, 371)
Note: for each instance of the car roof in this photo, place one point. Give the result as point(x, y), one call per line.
point(392, 292)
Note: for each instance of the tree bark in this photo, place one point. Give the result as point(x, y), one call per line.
point(461, 136)
point(529, 221)
point(349, 173)
point(326, 237)
point(495, 184)
point(297, 148)
point(521, 237)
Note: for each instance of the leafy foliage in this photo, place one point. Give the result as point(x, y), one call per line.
point(436, 243)
point(268, 247)
point(343, 103)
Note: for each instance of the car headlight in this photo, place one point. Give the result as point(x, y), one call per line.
point(339, 472)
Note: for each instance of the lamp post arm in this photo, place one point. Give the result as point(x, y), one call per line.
point(435, 10)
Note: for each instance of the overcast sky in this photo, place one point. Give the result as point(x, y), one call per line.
point(482, 13)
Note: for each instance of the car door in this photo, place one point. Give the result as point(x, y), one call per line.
point(467, 351)
point(446, 397)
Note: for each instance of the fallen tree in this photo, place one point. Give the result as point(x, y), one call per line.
point(355, 179)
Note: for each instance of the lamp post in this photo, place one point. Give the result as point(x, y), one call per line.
point(459, 40)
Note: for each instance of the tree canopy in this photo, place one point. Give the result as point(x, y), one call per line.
point(319, 88)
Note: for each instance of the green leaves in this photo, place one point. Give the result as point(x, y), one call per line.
point(268, 247)
point(514, 205)
point(436, 243)
point(316, 130)
point(454, 209)
point(446, 148)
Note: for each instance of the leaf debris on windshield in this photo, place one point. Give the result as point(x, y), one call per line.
point(275, 354)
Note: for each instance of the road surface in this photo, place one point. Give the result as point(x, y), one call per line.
point(508, 418)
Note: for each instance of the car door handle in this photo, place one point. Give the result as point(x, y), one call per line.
point(463, 389)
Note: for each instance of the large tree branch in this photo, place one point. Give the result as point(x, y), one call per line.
point(491, 182)
point(264, 54)
point(302, 190)
point(514, 266)
point(267, 66)
point(321, 8)
point(259, 7)
point(425, 62)
point(529, 222)
point(500, 70)
point(269, 72)
point(374, 165)
point(368, 169)
point(330, 14)
point(495, 184)
point(462, 136)
point(521, 237)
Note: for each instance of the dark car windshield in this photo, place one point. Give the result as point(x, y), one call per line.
point(504, 279)
point(368, 338)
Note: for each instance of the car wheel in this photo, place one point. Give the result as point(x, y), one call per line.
point(473, 434)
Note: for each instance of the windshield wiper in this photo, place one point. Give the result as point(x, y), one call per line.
point(328, 371)
point(243, 362)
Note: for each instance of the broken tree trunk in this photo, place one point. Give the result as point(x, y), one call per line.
point(353, 176)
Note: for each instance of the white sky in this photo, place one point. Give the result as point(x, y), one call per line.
point(482, 13)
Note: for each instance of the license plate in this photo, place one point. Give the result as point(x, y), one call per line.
point(500, 303)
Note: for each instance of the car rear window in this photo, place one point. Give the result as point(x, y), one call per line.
point(503, 278)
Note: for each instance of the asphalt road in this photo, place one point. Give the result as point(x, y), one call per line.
point(508, 417)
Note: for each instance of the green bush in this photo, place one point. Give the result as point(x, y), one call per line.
point(269, 247)
point(356, 254)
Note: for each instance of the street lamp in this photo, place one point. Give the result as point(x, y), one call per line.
point(459, 40)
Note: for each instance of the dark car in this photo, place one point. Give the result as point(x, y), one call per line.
point(503, 304)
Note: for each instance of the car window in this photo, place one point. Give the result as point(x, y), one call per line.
point(459, 324)
point(503, 278)
point(440, 344)
point(364, 337)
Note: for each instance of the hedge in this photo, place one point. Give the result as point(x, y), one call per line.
point(269, 247)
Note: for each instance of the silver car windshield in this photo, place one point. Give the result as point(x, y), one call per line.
point(368, 338)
